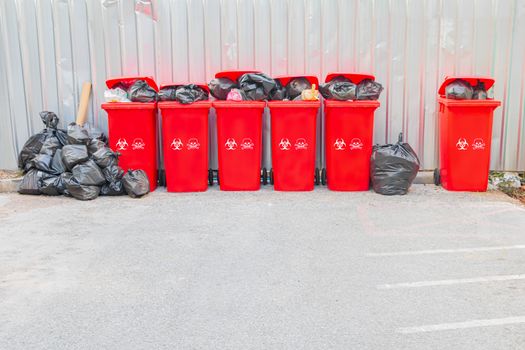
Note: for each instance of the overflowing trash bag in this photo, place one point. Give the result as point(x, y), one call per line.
point(136, 183)
point(295, 87)
point(220, 87)
point(459, 90)
point(140, 91)
point(236, 95)
point(278, 93)
point(479, 93)
point(168, 93)
point(393, 168)
point(256, 86)
point(339, 90)
point(368, 90)
point(116, 95)
point(78, 164)
point(187, 94)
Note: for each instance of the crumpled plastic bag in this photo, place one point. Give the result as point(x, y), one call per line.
point(94, 145)
point(79, 191)
point(42, 162)
point(74, 154)
point(105, 157)
point(479, 92)
point(77, 134)
point(51, 185)
point(296, 86)
point(341, 91)
point(393, 168)
point(30, 182)
point(459, 89)
point(88, 173)
point(236, 95)
point(57, 165)
point(220, 87)
point(116, 95)
point(115, 188)
point(50, 145)
point(136, 183)
point(278, 93)
point(168, 93)
point(140, 91)
point(113, 173)
point(187, 94)
point(368, 89)
point(256, 86)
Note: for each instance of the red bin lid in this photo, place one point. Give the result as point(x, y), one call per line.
point(356, 78)
point(285, 79)
point(489, 82)
point(234, 74)
point(201, 85)
point(128, 81)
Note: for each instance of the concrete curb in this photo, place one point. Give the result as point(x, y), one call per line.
point(9, 185)
point(424, 178)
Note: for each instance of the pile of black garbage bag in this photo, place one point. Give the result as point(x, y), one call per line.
point(76, 163)
point(343, 89)
point(248, 87)
point(292, 91)
point(138, 91)
point(393, 168)
point(185, 94)
point(461, 89)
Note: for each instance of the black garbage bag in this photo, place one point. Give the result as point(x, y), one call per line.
point(296, 86)
point(136, 183)
point(342, 91)
point(74, 154)
point(459, 89)
point(115, 188)
point(30, 182)
point(50, 145)
point(77, 134)
point(187, 94)
point(278, 93)
point(479, 92)
point(95, 133)
point(65, 177)
point(256, 86)
point(140, 91)
point(368, 89)
point(94, 145)
point(30, 150)
point(324, 89)
point(113, 173)
point(105, 157)
point(168, 93)
point(220, 87)
point(393, 168)
point(79, 191)
point(51, 185)
point(88, 173)
point(42, 162)
point(57, 165)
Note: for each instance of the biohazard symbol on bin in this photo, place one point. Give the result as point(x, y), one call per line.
point(301, 144)
point(122, 145)
point(138, 143)
point(356, 144)
point(230, 145)
point(478, 145)
point(193, 143)
point(462, 144)
point(247, 143)
point(339, 145)
point(176, 145)
point(285, 145)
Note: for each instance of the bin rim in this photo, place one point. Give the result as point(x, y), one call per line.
point(489, 102)
point(356, 78)
point(129, 105)
point(352, 103)
point(238, 104)
point(201, 85)
point(294, 104)
point(472, 80)
point(285, 79)
point(174, 104)
point(111, 82)
point(234, 74)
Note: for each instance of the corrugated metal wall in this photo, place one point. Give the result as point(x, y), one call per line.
point(49, 47)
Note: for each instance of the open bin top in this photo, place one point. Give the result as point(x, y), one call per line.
point(128, 81)
point(489, 82)
point(201, 85)
point(234, 74)
point(356, 78)
point(285, 79)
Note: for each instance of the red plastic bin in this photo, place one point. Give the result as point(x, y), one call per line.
point(132, 130)
point(239, 139)
point(185, 144)
point(465, 134)
point(293, 125)
point(349, 127)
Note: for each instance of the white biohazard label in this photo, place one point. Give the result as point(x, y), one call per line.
point(230, 144)
point(193, 144)
point(478, 144)
point(122, 144)
point(285, 145)
point(176, 145)
point(340, 144)
point(247, 144)
point(138, 143)
point(301, 144)
point(356, 144)
point(462, 144)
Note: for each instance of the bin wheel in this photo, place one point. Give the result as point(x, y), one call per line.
point(317, 177)
point(210, 177)
point(323, 177)
point(437, 177)
point(271, 176)
point(264, 176)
